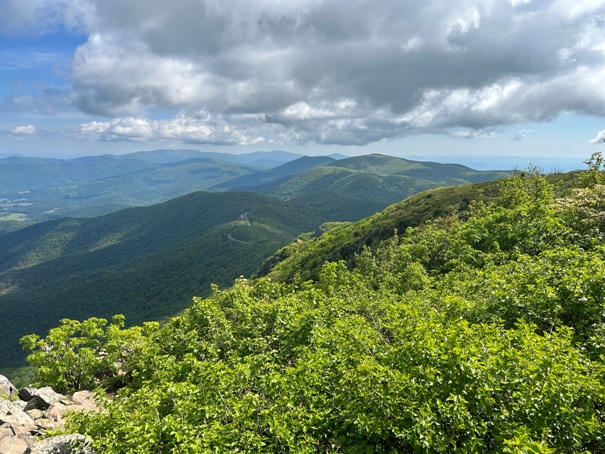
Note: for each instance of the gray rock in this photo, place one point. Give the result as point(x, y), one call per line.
point(41, 398)
point(15, 445)
point(86, 399)
point(46, 407)
point(24, 430)
point(35, 414)
point(6, 387)
point(56, 411)
point(46, 424)
point(12, 414)
point(63, 444)
point(6, 431)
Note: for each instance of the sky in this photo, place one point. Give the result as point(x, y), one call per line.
point(481, 79)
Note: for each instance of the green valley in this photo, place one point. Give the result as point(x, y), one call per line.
point(36, 189)
point(144, 262)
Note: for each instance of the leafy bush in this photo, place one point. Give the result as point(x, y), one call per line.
point(474, 333)
point(83, 355)
point(336, 367)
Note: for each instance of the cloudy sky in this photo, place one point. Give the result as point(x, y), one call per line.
point(409, 78)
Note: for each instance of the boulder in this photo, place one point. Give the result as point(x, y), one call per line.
point(45, 409)
point(6, 431)
point(56, 411)
point(86, 399)
point(46, 424)
point(35, 413)
point(63, 444)
point(12, 414)
point(15, 445)
point(40, 398)
point(6, 387)
point(25, 429)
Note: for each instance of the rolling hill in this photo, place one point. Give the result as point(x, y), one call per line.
point(140, 188)
point(144, 262)
point(259, 181)
point(37, 189)
point(41, 189)
point(259, 159)
point(356, 187)
point(25, 173)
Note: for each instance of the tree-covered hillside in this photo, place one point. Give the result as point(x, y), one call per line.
point(84, 267)
point(144, 262)
point(258, 181)
point(78, 196)
point(353, 188)
point(36, 189)
point(480, 330)
point(305, 256)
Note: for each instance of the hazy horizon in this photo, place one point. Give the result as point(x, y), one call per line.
point(543, 163)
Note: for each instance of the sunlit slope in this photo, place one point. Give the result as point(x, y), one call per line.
point(305, 258)
point(358, 187)
point(259, 181)
point(151, 183)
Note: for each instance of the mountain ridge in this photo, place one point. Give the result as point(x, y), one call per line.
point(147, 262)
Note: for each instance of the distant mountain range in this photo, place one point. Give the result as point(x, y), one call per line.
point(265, 179)
point(352, 188)
point(148, 262)
point(38, 189)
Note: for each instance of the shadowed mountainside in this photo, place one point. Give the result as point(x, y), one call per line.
point(144, 262)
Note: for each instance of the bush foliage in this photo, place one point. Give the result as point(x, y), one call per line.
point(475, 333)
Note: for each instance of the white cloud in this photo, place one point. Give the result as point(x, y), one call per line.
point(25, 130)
point(95, 127)
point(37, 17)
point(600, 137)
point(326, 72)
point(476, 134)
point(131, 128)
point(204, 130)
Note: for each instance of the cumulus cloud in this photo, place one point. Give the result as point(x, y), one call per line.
point(521, 134)
point(27, 17)
point(25, 130)
point(329, 71)
point(206, 130)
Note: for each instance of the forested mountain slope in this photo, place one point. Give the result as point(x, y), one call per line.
point(258, 181)
point(150, 183)
point(36, 189)
point(24, 174)
point(107, 264)
point(145, 262)
point(479, 331)
point(305, 256)
point(357, 187)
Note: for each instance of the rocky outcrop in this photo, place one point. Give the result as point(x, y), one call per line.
point(62, 444)
point(24, 419)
